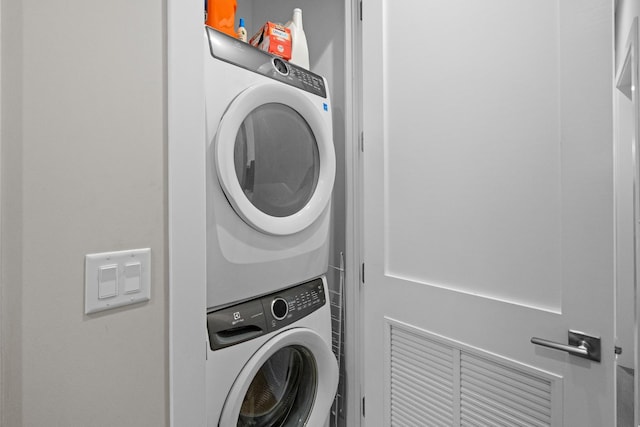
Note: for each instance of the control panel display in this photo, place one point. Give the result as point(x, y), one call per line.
point(244, 55)
point(251, 319)
point(300, 302)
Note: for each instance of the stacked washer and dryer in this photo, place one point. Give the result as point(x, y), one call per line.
point(270, 175)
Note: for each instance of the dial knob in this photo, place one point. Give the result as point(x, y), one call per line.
point(281, 66)
point(279, 308)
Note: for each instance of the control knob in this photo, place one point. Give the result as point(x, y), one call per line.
point(279, 308)
point(280, 66)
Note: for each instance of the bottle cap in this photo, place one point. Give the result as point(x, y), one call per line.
point(241, 22)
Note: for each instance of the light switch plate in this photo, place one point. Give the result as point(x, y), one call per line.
point(132, 279)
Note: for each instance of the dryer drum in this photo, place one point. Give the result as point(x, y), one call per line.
point(276, 160)
point(282, 392)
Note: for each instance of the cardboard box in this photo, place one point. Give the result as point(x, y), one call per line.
point(273, 38)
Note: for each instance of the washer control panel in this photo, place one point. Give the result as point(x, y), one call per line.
point(251, 319)
point(291, 305)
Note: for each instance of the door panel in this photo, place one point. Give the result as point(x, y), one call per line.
point(482, 152)
point(488, 195)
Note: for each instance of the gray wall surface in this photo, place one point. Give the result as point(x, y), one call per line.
point(83, 171)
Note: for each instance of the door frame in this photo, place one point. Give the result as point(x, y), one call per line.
point(186, 213)
point(186, 203)
point(2, 281)
point(630, 59)
point(354, 279)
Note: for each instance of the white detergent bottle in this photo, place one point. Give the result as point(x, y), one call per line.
point(299, 49)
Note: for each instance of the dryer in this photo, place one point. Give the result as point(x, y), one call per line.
point(270, 171)
point(269, 361)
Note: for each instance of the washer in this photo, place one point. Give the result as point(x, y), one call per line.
point(270, 171)
point(269, 361)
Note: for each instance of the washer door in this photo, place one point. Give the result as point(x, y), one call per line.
point(290, 381)
point(275, 158)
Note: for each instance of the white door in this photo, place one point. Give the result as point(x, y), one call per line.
point(488, 201)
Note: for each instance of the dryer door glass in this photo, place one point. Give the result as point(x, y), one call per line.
point(276, 159)
point(283, 390)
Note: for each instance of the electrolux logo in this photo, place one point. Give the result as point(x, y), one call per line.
point(237, 318)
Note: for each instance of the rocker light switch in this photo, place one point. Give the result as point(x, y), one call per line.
point(114, 279)
point(132, 274)
point(108, 281)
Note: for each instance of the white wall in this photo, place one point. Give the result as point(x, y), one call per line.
point(11, 232)
point(83, 163)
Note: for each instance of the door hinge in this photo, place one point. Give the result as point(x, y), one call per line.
point(361, 10)
point(362, 142)
point(617, 350)
point(363, 411)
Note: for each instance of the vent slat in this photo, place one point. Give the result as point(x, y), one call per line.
point(518, 397)
point(419, 411)
point(425, 401)
point(513, 386)
point(508, 401)
point(478, 417)
point(421, 376)
point(420, 353)
point(508, 372)
point(432, 384)
point(439, 394)
point(423, 344)
point(438, 369)
point(426, 375)
point(403, 418)
point(504, 411)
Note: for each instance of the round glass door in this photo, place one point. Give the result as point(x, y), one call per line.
point(282, 392)
point(274, 158)
point(289, 381)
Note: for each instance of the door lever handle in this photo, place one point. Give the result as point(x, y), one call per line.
point(580, 345)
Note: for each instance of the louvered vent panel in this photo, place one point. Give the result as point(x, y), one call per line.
point(497, 395)
point(421, 381)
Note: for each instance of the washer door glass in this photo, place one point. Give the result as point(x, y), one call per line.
point(283, 390)
point(276, 160)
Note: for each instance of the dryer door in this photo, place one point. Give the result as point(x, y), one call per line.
point(275, 158)
point(290, 381)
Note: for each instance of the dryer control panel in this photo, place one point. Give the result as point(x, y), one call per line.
point(242, 322)
point(250, 58)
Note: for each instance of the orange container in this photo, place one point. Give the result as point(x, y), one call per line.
point(221, 15)
point(273, 38)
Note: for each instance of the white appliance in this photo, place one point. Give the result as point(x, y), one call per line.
point(269, 361)
point(270, 171)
